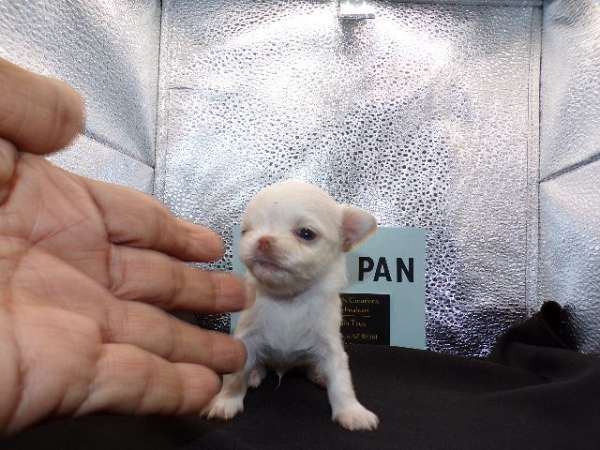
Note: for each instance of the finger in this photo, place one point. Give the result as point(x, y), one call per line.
point(138, 220)
point(129, 380)
point(162, 334)
point(8, 155)
point(38, 114)
point(151, 277)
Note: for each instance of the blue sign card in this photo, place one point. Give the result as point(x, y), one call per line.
point(385, 300)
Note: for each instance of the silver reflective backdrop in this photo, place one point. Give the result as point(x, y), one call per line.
point(427, 115)
point(570, 132)
point(570, 187)
point(107, 50)
point(421, 115)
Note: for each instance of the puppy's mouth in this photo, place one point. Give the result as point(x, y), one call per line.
point(267, 264)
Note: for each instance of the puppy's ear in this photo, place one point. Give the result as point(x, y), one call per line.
point(357, 225)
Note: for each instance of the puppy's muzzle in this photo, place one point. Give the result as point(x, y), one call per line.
point(264, 244)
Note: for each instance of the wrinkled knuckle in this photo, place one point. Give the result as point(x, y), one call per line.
point(117, 269)
point(148, 370)
point(178, 284)
point(162, 230)
point(117, 318)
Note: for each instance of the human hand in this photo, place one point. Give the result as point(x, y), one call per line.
point(86, 269)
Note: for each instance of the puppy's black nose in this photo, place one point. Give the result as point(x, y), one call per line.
point(264, 243)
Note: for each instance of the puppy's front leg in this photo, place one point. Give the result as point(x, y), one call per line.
point(346, 409)
point(230, 400)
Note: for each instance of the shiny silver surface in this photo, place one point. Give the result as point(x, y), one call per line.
point(88, 158)
point(570, 163)
point(427, 115)
point(107, 50)
point(570, 128)
point(421, 115)
point(570, 250)
point(475, 2)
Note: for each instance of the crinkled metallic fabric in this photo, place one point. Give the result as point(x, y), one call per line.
point(422, 115)
point(570, 165)
point(476, 2)
point(570, 94)
point(88, 158)
point(570, 250)
point(108, 50)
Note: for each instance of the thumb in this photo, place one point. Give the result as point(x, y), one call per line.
point(38, 114)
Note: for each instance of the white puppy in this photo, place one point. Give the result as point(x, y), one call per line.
point(294, 236)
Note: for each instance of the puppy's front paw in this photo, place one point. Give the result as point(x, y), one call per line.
point(356, 417)
point(224, 408)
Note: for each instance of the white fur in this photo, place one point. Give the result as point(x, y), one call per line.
point(296, 318)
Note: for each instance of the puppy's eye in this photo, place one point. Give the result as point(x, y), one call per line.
point(306, 234)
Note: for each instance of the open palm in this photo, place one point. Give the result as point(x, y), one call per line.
point(86, 269)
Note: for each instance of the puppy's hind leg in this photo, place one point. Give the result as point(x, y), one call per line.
point(257, 375)
point(315, 375)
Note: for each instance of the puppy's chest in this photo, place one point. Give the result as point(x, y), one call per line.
point(291, 334)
